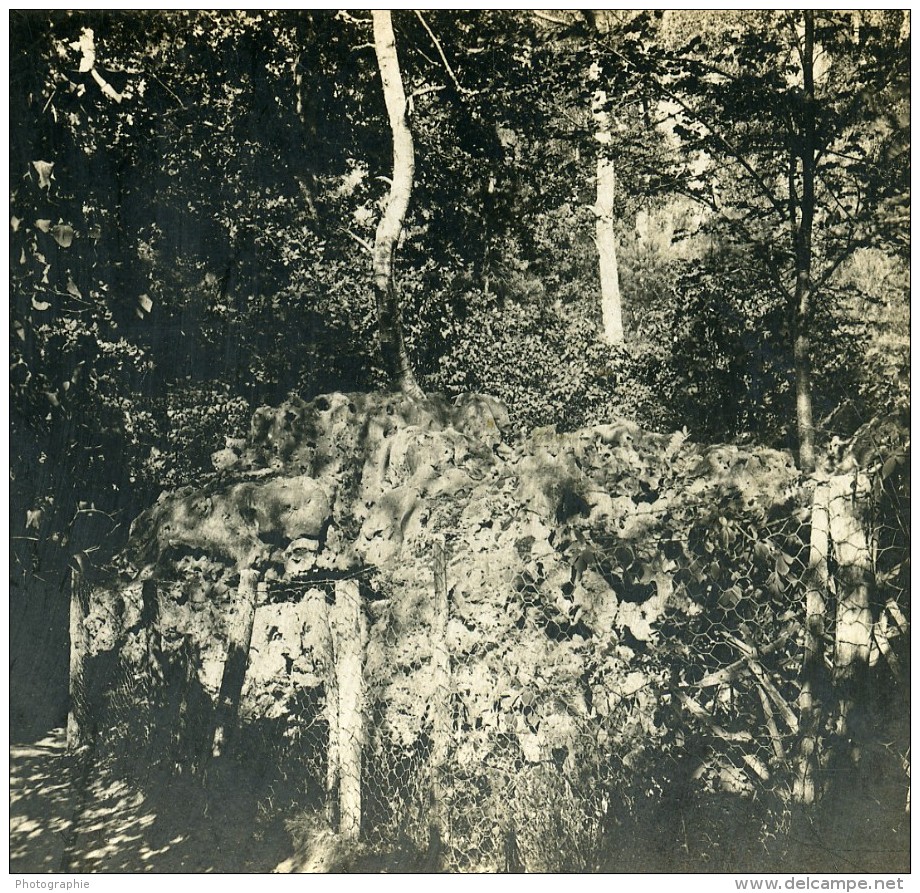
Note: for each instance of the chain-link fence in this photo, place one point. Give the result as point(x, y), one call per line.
point(521, 705)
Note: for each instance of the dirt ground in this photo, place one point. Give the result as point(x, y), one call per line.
point(71, 815)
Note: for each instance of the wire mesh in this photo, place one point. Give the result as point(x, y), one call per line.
point(614, 663)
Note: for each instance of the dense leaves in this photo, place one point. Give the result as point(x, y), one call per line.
point(194, 200)
point(193, 195)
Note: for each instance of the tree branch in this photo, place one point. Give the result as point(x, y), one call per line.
point(741, 231)
point(539, 14)
point(798, 43)
point(424, 55)
point(845, 252)
point(107, 89)
point(362, 242)
point(833, 195)
point(422, 92)
point(167, 89)
point(344, 16)
point(765, 190)
point(461, 90)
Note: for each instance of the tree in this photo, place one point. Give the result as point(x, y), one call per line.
point(611, 304)
point(389, 229)
point(781, 119)
point(601, 82)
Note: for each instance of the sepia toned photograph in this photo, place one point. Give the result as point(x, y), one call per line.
point(460, 441)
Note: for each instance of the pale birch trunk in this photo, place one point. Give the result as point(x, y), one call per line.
point(605, 237)
point(392, 345)
point(611, 304)
point(802, 235)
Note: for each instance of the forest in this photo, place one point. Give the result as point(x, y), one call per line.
point(461, 441)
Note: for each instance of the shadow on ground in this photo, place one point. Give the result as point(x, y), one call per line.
point(72, 814)
point(68, 814)
point(41, 804)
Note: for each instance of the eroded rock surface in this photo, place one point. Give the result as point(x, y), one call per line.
point(561, 546)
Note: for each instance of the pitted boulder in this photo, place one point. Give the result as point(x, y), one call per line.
point(481, 416)
point(290, 508)
point(300, 557)
point(240, 522)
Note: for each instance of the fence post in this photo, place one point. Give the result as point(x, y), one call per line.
point(441, 716)
point(836, 528)
point(77, 719)
point(332, 721)
point(347, 625)
point(150, 606)
point(853, 633)
point(238, 641)
point(813, 670)
point(150, 624)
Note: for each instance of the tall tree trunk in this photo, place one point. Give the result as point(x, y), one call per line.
point(804, 288)
point(392, 345)
point(803, 391)
point(806, 787)
point(611, 304)
point(239, 640)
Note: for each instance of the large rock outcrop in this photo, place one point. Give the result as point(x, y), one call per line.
point(565, 550)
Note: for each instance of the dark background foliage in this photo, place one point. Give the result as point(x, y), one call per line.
point(197, 249)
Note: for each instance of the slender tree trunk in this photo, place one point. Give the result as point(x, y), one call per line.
point(814, 672)
point(611, 304)
point(348, 634)
point(804, 289)
point(803, 396)
point(392, 345)
point(239, 640)
point(814, 681)
point(77, 718)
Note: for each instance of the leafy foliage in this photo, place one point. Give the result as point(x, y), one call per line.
point(193, 198)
